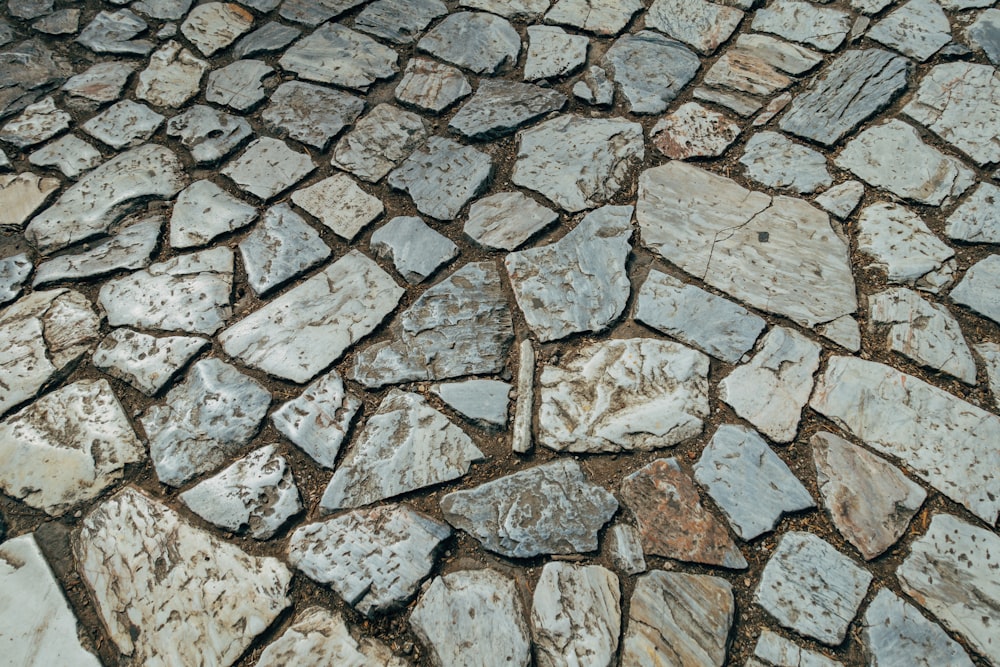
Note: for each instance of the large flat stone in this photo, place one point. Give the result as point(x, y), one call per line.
point(977, 219)
point(281, 246)
point(399, 21)
point(268, 167)
point(506, 220)
point(775, 161)
point(378, 142)
point(500, 107)
point(311, 114)
point(204, 211)
point(338, 55)
point(415, 249)
point(431, 86)
point(172, 78)
point(917, 29)
point(702, 24)
point(340, 204)
point(692, 130)
point(145, 362)
point(130, 248)
point(822, 27)
point(650, 69)
point(443, 176)
point(978, 288)
point(209, 134)
point(901, 244)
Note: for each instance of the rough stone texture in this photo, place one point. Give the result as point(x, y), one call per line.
point(603, 17)
point(203, 211)
point(562, 514)
point(978, 287)
point(319, 636)
point(340, 56)
point(623, 395)
point(649, 69)
point(506, 220)
point(902, 245)
point(499, 107)
point(917, 29)
point(442, 177)
point(124, 125)
point(977, 219)
point(755, 65)
point(313, 12)
point(339, 204)
point(268, 167)
point(595, 88)
point(431, 86)
point(101, 82)
point(145, 362)
point(375, 559)
point(113, 32)
point(23, 194)
point(14, 272)
point(129, 248)
point(626, 549)
point(172, 77)
point(521, 438)
point(414, 248)
point(482, 401)
point(775, 161)
point(773, 649)
point(270, 37)
point(317, 420)
point(477, 41)
point(841, 200)
point(895, 633)
point(201, 599)
point(990, 354)
point(213, 26)
point(281, 246)
point(552, 52)
point(239, 85)
point(379, 141)
point(30, 69)
point(672, 521)
point(311, 114)
point(399, 21)
point(702, 24)
point(822, 27)
point(984, 34)
point(692, 130)
point(38, 123)
point(209, 134)
point(69, 154)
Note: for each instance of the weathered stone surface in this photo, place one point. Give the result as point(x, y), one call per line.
point(414, 248)
point(521, 438)
point(443, 176)
point(626, 549)
point(773, 649)
point(774, 160)
point(649, 69)
point(623, 395)
point(484, 401)
point(67, 447)
point(113, 32)
point(510, 8)
point(213, 26)
point(129, 248)
point(757, 65)
point(896, 633)
point(702, 24)
point(190, 596)
point(172, 10)
point(822, 27)
point(595, 88)
point(172, 77)
point(978, 287)
point(549, 509)
point(473, 618)
point(990, 354)
point(14, 272)
point(317, 420)
point(431, 86)
point(209, 134)
point(951, 572)
point(101, 82)
point(270, 37)
point(37, 123)
point(399, 21)
point(945, 441)
point(204, 211)
point(749, 483)
point(29, 9)
point(477, 41)
point(977, 219)
point(780, 255)
point(460, 326)
point(810, 587)
point(311, 114)
point(552, 52)
point(99, 199)
point(268, 167)
point(841, 200)
point(604, 17)
point(124, 125)
point(499, 107)
point(238, 85)
point(69, 154)
point(917, 29)
point(44, 333)
point(339, 204)
point(319, 636)
point(679, 619)
point(406, 445)
point(672, 521)
point(281, 246)
point(576, 615)
point(145, 362)
point(691, 130)
point(338, 55)
point(314, 12)
point(578, 162)
point(578, 283)
point(984, 34)
point(23, 194)
point(37, 625)
point(902, 245)
point(379, 141)
point(30, 70)
point(375, 559)
point(506, 220)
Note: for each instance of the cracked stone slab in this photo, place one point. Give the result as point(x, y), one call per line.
point(841, 200)
point(917, 29)
point(406, 445)
point(145, 362)
point(30, 70)
point(896, 633)
point(901, 244)
point(268, 167)
point(870, 500)
point(822, 27)
point(758, 65)
point(208, 133)
point(204, 420)
point(443, 176)
point(506, 220)
point(69, 154)
point(101, 82)
point(14, 272)
point(649, 69)
point(775, 161)
point(777, 254)
point(44, 333)
point(114, 32)
point(431, 86)
point(692, 130)
point(188, 293)
point(481, 401)
point(23, 194)
point(67, 447)
point(256, 494)
point(125, 124)
point(951, 572)
point(399, 21)
point(747, 480)
point(415, 249)
point(948, 443)
point(281, 246)
point(602, 17)
point(576, 615)
point(626, 549)
point(172, 78)
point(213, 26)
point(204, 211)
point(681, 619)
point(318, 420)
point(373, 558)
point(320, 636)
point(37, 123)
point(311, 114)
point(269, 38)
point(702, 24)
point(103, 196)
point(340, 204)
point(239, 85)
point(378, 142)
point(480, 42)
point(977, 219)
point(549, 509)
point(340, 56)
point(37, 625)
point(314, 12)
point(473, 618)
point(810, 587)
point(307, 328)
point(773, 649)
point(579, 283)
point(552, 52)
point(500, 107)
point(190, 596)
point(671, 519)
point(623, 395)
point(578, 162)
point(977, 288)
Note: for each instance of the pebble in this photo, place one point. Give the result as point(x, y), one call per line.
point(978, 286)
point(603, 17)
point(114, 32)
point(649, 69)
point(701, 24)
point(280, 247)
point(553, 53)
point(145, 362)
point(172, 78)
point(203, 211)
point(481, 401)
point(340, 56)
point(416, 250)
point(822, 27)
point(378, 142)
point(500, 107)
point(213, 26)
point(209, 134)
point(505, 220)
point(14, 272)
point(480, 42)
point(268, 167)
point(896, 633)
point(442, 177)
point(125, 124)
point(431, 86)
point(692, 130)
point(36, 124)
point(340, 204)
point(626, 549)
point(399, 21)
point(23, 194)
point(239, 85)
point(901, 245)
point(101, 82)
point(916, 29)
point(977, 219)
point(311, 114)
point(318, 635)
point(319, 418)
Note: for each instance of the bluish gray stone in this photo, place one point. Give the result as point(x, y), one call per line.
point(145, 362)
point(415, 249)
point(477, 41)
point(124, 125)
point(209, 134)
point(318, 419)
point(281, 246)
point(895, 633)
point(443, 176)
point(311, 114)
point(129, 248)
point(500, 107)
point(399, 21)
point(485, 401)
point(204, 211)
point(338, 55)
point(650, 69)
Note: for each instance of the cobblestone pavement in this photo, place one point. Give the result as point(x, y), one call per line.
point(499, 332)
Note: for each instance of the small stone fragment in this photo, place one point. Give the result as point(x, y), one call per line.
point(171, 10)
point(14, 272)
point(895, 633)
point(129, 248)
point(268, 167)
point(841, 200)
point(990, 354)
point(281, 246)
point(594, 87)
point(500, 107)
point(443, 177)
point(215, 25)
point(70, 154)
point(317, 420)
point(338, 55)
point(506, 220)
point(552, 52)
point(977, 290)
point(431, 86)
point(822, 27)
point(145, 362)
point(339, 204)
point(691, 130)
point(521, 440)
point(649, 69)
point(917, 29)
point(319, 636)
point(702, 24)
point(114, 32)
point(311, 114)
point(37, 123)
point(101, 82)
point(902, 245)
point(378, 142)
point(484, 401)
point(124, 125)
point(172, 77)
point(977, 219)
point(603, 17)
point(209, 134)
point(23, 194)
point(477, 41)
point(626, 549)
point(399, 21)
point(204, 211)
point(238, 85)
point(774, 160)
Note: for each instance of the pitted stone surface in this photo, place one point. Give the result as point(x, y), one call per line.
point(101, 82)
point(268, 167)
point(702, 24)
point(37, 123)
point(239, 85)
point(916, 29)
point(129, 248)
point(399, 21)
point(442, 177)
point(603, 17)
point(207, 133)
point(977, 219)
point(145, 362)
point(309, 113)
point(318, 419)
point(203, 211)
point(773, 649)
point(172, 77)
point(281, 246)
point(415, 249)
point(340, 204)
point(902, 245)
point(14, 272)
point(692, 130)
point(775, 161)
point(978, 286)
point(822, 27)
point(124, 125)
point(215, 25)
point(500, 107)
point(320, 636)
point(69, 154)
point(431, 86)
point(552, 52)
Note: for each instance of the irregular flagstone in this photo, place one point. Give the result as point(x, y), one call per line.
point(552, 52)
point(213, 26)
point(506, 220)
point(172, 77)
point(483, 401)
point(773, 649)
point(714, 325)
point(443, 176)
point(771, 389)
point(650, 69)
point(37, 625)
point(269, 38)
point(69, 154)
point(204, 211)
point(578, 162)
point(984, 34)
point(626, 549)
point(171, 10)
point(945, 441)
point(145, 362)
point(130, 248)
point(510, 8)
point(209, 134)
point(37, 123)
point(778, 254)
point(99, 199)
point(320, 637)
point(406, 445)
point(672, 521)
point(870, 500)
point(774, 160)
point(414, 248)
point(883, 156)
point(679, 620)
point(268, 167)
point(852, 89)
point(822, 27)
point(922, 331)
point(101, 82)
point(14, 272)
point(338, 55)
point(62, 22)
point(549, 509)
point(66, 447)
point(579, 283)
point(124, 125)
point(702, 24)
point(431, 86)
point(748, 481)
point(978, 288)
point(902, 245)
point(114, 32)
point(811, 588)
point(256, 494)
point(23, 194)
point(399, 21)
point(603, 17)
point(339, 204)
point(318, 419)
point(314, 12)
point(499, 107)
point(576, 615)
point(378, 142)
point(311, 114)
point(190, 596)
point(473, 618)
point(960, 102)
point(477, 41)
point(45, 333)
point(308, 327)
point(977, 219)
point(203, 421)
point(375, 559)
point(281, 246)
point(623, 395)
point(187, 293)
point(896, 633)
point(841, 200)
point(691, 130)
point(30, 69)
point(951, 571)
point(917, 29)
point(239, 85)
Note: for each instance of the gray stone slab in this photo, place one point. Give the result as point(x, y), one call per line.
point(692, 130)
point(917, 29)
point(413, 247)
point(280, 247)
point(399, 21)
point(114, 32)
point(209, 134)
point(775, 161)
point(603, 17)
point(318, 420)
point(378, 142)
point(500, 107)
point(311, 114)
point(238, 85)
point(482, 401)
point(124, 125)
point(649, 69)
point(522, 9)
point(268, 167)
point(101, 82)
point(318, 635)
point(506, 220)
point(431, 86)
point(896, 633)
point(171, 10)
point(145, 362)
point(29, 9)
point(703, 25)
point(977, 219)
point(442, 177)
point(212, 26)
point(339, 204)
point(14, 272)
point(984, 34)
point(21, 195)
point(553, 52)
point(990, 354)
point(36, 124)
point(773, 649)
point(822, 27)
point(69, 154)
point(978, 286)
point(338, 55)
point(756, 65)
point(314, 12)
point(269, 38)
point(595, 88)
point(901, 244)
point(477, 41)
point(172, 78)
point(30, 69)
point(203, 211)
point(841, 200)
